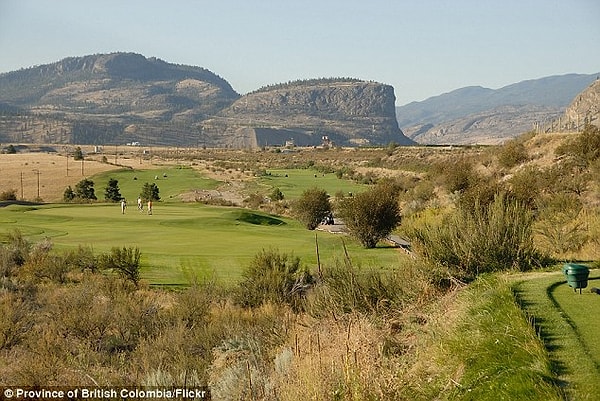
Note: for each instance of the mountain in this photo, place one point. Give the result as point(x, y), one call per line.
point(346, 111)
point(585, 108)
point(481, 115)
point(126, 97)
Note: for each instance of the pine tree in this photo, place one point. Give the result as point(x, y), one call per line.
point(112, 192)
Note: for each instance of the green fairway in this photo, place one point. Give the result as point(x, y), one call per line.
point(292, 182)
point(181, 241)
point(568, 323)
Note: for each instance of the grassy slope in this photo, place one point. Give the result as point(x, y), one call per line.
point(568, 323)
point(484, 349)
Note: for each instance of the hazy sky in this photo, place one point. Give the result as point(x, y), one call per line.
point(421, 47)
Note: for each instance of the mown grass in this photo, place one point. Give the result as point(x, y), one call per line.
point(568, 324)
point(292, 182)
point(171, 181)
point(182, 241)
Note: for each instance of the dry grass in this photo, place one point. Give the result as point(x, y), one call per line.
point(18, 172)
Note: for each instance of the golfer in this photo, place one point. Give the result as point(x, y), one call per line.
point(123, 205)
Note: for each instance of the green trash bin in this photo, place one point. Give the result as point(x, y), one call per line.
point(577, 275)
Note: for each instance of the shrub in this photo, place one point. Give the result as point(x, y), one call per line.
point(459, 176)
point(17, 319)
point(277, 195)
point(78, 153)
point(526, 185)
point(8, 195)
point(346, 289)
point(371, 215)
point(312, 207)
point(274, 277)
point(254, 200)
point(512, 153)
point(14, 253)
point(562, 223)
point(125, 261)
point(585, 148)
point(493, 237)
point(69, 194)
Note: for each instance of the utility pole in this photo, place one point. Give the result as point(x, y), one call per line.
point(22, 197)
point(37, 172)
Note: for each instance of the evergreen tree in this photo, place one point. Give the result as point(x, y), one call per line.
point(150, 192)
point(112, 192)
point(77, 154)
point(85, 189)
point(69, 194)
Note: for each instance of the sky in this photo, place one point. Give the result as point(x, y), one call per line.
point(422, 48)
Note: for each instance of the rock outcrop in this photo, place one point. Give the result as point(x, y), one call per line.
point(344, 112)
point(584, 109)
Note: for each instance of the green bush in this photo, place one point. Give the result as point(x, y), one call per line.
point(585, 148)
point(125, 261)
point(512, 153)
point(312, 207)
point(274, 277)
point(372, 215)
point(493, 237)
point(84, 189)
point(150, 191)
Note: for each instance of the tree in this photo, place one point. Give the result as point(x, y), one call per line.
point(85, 190)
point(69, 194)
point(77, 154)
point(112, 192)
point(150, 192)
point(372, 215)
point(312, 207)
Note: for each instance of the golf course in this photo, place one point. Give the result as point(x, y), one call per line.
point(221, 298)
point(181, 241)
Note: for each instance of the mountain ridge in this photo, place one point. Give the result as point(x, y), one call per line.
point(439, 119)
point(126, 97)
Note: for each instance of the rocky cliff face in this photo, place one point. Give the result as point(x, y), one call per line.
point(347, 112)
point(585, 108)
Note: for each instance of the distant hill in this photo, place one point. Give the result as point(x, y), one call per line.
point(126, 97)
point(481, 115)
